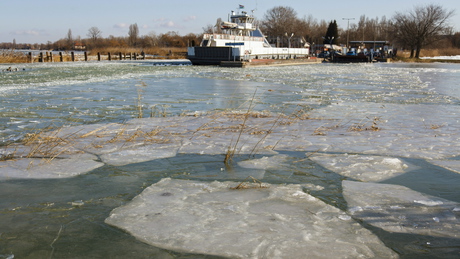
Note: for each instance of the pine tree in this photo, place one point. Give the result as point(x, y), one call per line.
point(332, 33)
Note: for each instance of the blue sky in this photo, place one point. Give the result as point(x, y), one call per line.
point(39, 21)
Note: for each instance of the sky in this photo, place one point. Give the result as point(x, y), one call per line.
point(40, 21)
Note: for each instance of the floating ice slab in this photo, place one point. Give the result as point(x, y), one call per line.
point(42, 168)
point(139, 154)
point(363, 167)
point(276, 161)
point(276, 221)
point(397, 208)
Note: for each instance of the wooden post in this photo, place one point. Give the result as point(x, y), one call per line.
point(31, 58)
point(120, 55)
point(110, 57)
point(40, 57)
point(130, 56)
point(51, 57)
point(86, 56)
point(98, 56)
point(72, 55)
point(61, 58)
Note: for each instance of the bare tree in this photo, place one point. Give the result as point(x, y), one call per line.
point(280, 20)
point(422, 26)
point(218, 25)
point(150, 40)
point(94, 34)
point(133, 34)
point(208, 29)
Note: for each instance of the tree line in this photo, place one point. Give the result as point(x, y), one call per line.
point(422, 27)
point(94, 40)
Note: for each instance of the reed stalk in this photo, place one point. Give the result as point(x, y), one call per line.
point(232, 150)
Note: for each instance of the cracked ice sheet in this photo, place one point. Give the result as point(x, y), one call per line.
point(280, 221)
point(397, 208)
point(364, 168)
point(41, 168)
point(406, 130)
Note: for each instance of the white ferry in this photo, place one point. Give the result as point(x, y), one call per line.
point(240, 40)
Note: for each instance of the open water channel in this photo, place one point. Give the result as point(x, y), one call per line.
point(395, 124)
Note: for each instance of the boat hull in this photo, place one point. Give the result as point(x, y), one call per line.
point(215, 55)
point(350, 59)
point(209, 55)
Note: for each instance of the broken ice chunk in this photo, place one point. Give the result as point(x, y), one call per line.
point(47, 168)
point(363, 167)
point(397, 208)
point(276, 221)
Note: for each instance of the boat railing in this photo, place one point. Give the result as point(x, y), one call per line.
point(208, 36)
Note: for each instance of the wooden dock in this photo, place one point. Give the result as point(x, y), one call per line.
point(48, 56)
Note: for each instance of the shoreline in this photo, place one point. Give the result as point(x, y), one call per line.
point(242, 64)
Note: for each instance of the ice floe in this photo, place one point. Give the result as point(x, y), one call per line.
point(397, 208)
point(48, 168)
point(276, 161)
point(258, 221)
point(363, 167)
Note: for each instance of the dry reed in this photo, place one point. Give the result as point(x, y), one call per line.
point(245, 184)
point(231, 151)
point(9, 56)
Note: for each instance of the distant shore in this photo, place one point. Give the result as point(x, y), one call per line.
point(32, 56)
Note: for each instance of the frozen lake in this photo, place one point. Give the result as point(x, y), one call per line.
point(335, 161)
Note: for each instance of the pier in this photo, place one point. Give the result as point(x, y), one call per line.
point(49, 56)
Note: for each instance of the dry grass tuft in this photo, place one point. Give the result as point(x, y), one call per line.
point(363, 126)
point(47, 146)
point(139, 135)
point(245, 184)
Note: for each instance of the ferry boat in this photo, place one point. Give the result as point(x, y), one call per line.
point(241, 40)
